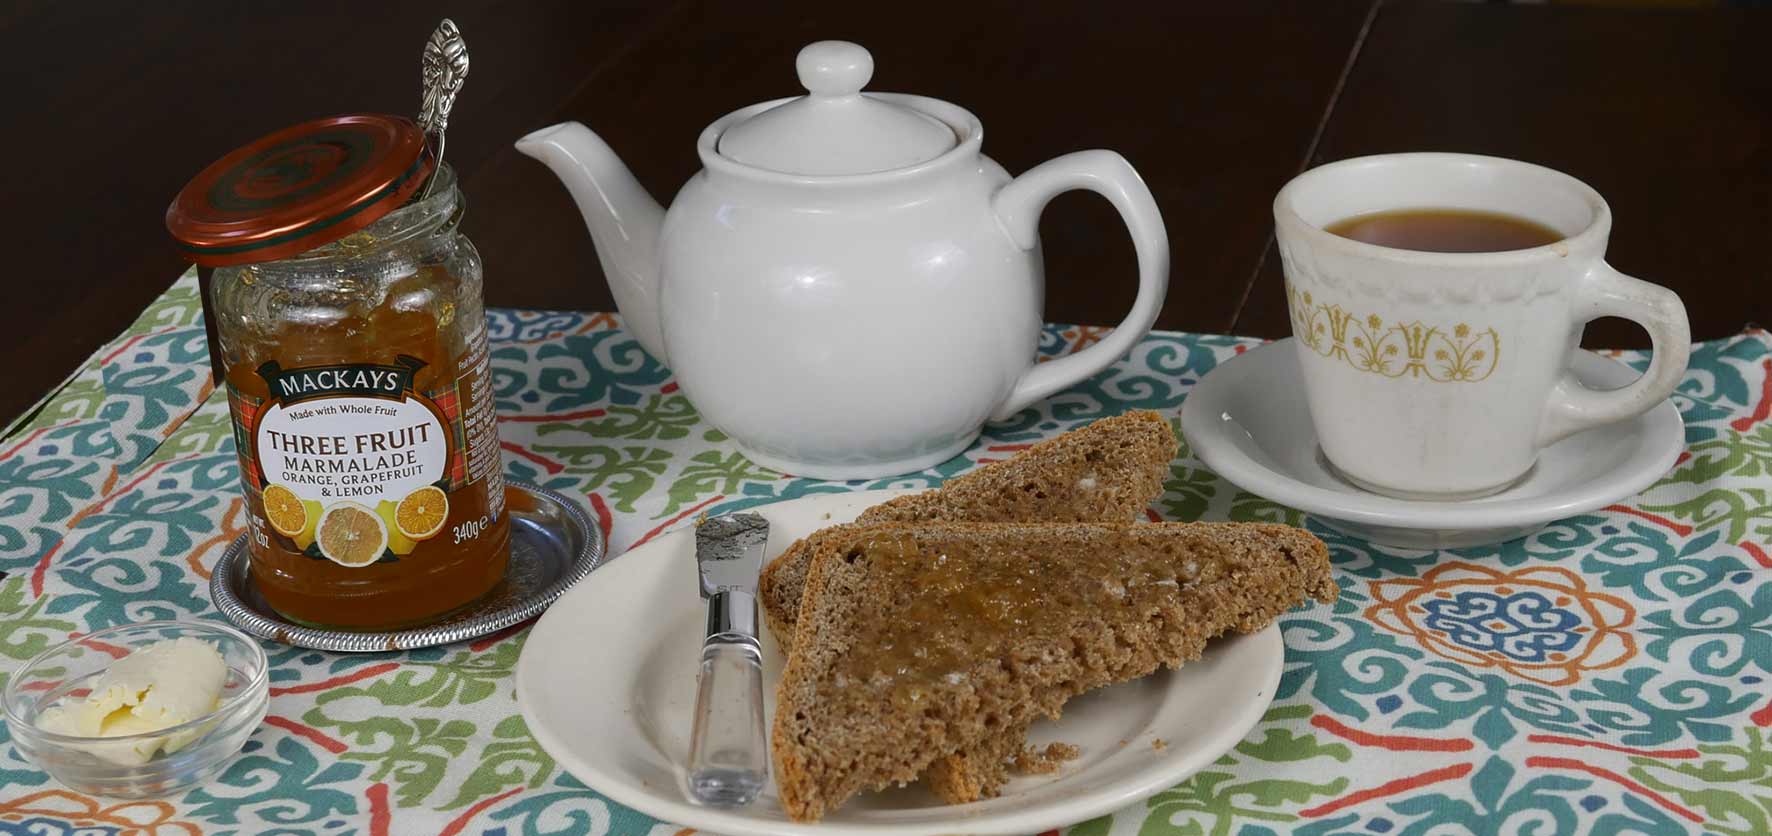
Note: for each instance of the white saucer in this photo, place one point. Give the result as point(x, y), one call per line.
point(1247, 420)
point(606, 683)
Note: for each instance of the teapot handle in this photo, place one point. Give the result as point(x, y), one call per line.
point(1018, 207)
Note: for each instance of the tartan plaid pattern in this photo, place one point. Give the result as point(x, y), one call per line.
point(448, 402)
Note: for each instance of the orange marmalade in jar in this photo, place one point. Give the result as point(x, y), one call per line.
point(351, 332)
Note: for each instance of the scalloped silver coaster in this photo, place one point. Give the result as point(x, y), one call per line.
point(553, 546)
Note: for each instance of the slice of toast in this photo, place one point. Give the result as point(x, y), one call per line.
point(919, 642)
point(1106, 471)
point(981, 771)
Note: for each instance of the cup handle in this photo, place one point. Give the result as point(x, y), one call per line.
point(1607, 292)
point(1018, 206)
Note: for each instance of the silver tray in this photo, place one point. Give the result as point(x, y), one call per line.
point(553, 546)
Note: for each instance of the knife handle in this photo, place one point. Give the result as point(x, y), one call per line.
point(728, 755)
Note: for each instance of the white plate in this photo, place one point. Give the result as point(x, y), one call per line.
point(1248, 421)
point(607, 683)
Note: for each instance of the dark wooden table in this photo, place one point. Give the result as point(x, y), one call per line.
point(111, 107)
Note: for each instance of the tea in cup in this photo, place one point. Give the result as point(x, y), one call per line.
point(1437, 300)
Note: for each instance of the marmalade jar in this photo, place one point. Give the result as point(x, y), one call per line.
point(357, 376)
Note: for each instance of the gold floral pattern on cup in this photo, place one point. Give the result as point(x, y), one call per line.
point(1460, 354)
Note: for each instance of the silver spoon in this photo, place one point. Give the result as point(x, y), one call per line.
point(443, 68)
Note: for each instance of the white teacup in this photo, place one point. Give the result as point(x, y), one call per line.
point(1442, 375)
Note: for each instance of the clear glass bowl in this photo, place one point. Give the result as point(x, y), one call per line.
point(78, 761)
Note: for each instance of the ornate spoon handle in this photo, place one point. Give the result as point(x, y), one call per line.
point(443, 67)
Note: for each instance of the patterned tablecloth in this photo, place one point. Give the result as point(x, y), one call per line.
point(1608, 674)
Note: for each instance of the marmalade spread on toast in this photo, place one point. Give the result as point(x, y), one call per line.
point(959, 603)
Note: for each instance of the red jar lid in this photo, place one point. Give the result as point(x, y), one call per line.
point(299, 188)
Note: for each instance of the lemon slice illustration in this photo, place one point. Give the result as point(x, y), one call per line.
point(351, 535)
point(422, 513)
point(398, 543)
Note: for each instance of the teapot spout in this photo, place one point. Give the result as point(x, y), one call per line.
point(623, 219)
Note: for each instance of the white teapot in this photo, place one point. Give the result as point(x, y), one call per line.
point(849, 288)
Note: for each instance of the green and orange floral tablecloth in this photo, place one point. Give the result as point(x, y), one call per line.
point(1612, 673)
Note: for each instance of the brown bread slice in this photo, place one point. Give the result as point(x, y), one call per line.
point(978, 771)
point(1106, 471)
point(918, 642)
point(981, 771)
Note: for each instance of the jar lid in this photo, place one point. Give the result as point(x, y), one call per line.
point(299, 188)
point(835, 129)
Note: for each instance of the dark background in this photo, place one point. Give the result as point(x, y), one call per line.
point(111, 107)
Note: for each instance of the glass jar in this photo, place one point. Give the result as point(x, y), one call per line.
point(357, 376)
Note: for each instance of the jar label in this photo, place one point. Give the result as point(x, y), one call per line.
point(367, 449)
point(351, 463)
point(479, 424)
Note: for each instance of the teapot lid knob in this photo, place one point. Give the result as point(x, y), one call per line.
point(834, 68)
point(836, 129)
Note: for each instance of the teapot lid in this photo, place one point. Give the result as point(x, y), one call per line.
point(835, 129)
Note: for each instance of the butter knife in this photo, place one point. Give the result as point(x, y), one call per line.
point(728, 755)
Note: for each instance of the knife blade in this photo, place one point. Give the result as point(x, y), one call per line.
point(728, 754)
